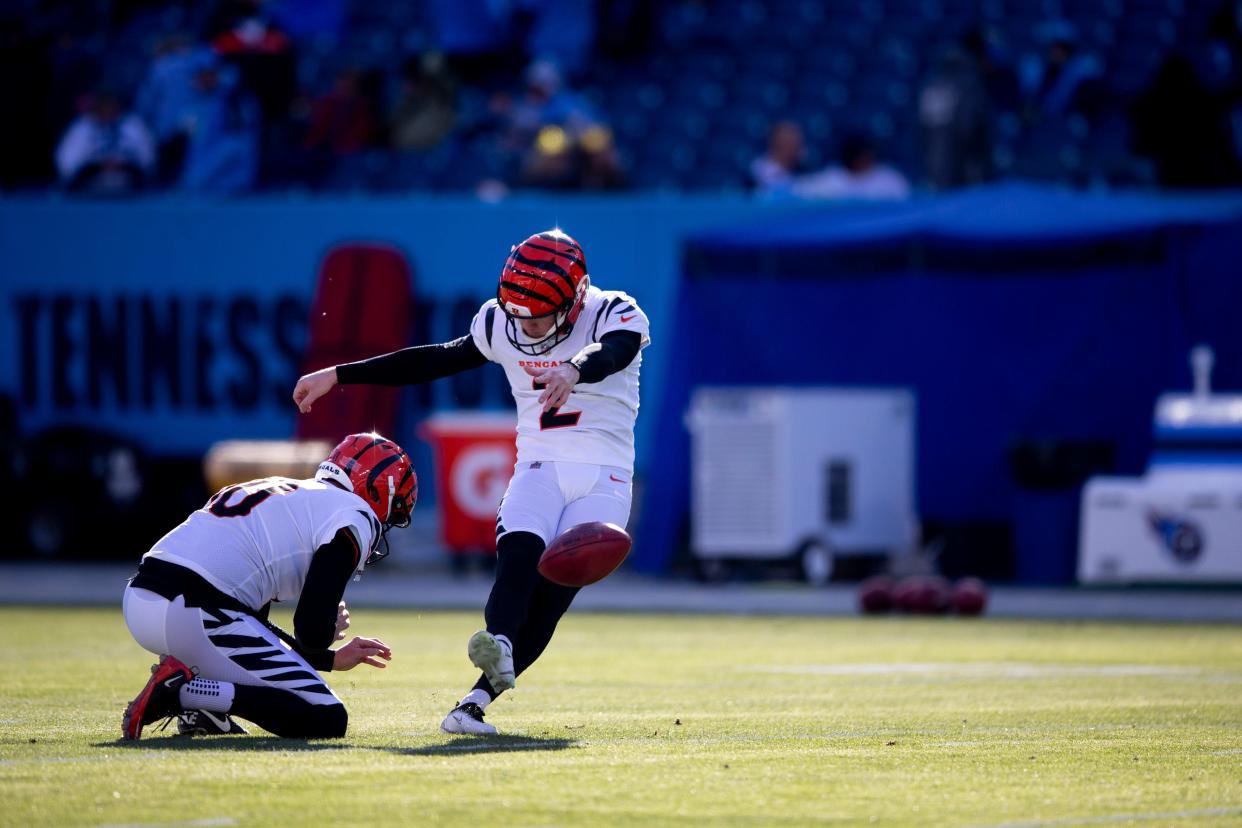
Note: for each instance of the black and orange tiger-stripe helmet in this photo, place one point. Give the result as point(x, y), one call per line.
point(546, 275)
point(378, 471)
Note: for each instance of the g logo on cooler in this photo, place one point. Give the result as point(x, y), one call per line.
point(479, 478)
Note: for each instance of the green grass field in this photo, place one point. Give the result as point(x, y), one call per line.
point(664, 720)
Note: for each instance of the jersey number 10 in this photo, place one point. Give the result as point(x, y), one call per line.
point(220, 507)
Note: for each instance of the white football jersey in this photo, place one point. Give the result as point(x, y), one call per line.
point(596, 424)
point(254, 541)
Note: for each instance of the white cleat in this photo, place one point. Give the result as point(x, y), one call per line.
point(467, 719)
point(494, 656)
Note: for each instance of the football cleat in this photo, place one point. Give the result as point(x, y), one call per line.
point(208, 723)
point(160, 699)
point(467, 719)
point(494, 656)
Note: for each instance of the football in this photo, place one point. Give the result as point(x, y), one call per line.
point(970, 596)
point(584, 554)
point(875, 595)
point(922, 594)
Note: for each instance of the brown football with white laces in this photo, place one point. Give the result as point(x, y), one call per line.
point(584, 554)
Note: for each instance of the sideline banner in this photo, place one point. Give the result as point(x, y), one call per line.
point(182, 322)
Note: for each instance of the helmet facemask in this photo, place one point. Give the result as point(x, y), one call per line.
point(563, 323)
point(399, 508)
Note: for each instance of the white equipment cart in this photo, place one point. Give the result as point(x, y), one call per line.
point(801, 475)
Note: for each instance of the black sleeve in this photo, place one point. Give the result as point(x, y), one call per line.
point(314, 620)
point(413, 365)
point(614, 351)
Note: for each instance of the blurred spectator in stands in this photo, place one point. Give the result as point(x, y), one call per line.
point(241, 32)
point(860, 175)
point(105, 151)
point(955, 117)
point(221, 125)
point(601, 169)
point(509, 128)
point(561, 161)
point(1184, 127)
point(343, 120)
point(426, 110)
point(164, 98)
point(548, 100)
point(550, 163)
point(1062, 79)
point(773, 172)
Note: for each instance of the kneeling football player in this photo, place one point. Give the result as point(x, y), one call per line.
point(201, 597)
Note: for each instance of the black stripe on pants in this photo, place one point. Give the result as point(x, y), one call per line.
point(288, 716)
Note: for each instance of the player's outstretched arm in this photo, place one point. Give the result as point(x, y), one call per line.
point(409, 366)
point(311, 387)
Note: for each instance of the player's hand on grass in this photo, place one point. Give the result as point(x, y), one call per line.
point(342, 621)
point(559, 381)
point(361, 651)
point(311, 387)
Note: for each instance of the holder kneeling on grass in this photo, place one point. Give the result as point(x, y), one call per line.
point(202, 594)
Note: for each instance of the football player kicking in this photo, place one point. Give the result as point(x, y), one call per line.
point(201, 597)
point(571, 353)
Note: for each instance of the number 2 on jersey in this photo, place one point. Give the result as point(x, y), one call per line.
point(220, 507)
point(553, 418)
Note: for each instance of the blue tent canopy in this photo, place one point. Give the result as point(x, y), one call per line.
point(1009, 215)
point(1015, 312)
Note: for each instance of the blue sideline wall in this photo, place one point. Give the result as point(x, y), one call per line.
point(228, 286)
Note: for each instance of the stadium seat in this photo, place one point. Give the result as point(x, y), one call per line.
point(720, 73)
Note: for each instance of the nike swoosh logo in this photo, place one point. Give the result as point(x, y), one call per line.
point(628, 318)
point(615, 479)
point(222, 722)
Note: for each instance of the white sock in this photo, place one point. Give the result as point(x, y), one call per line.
point(477, 696)
point(205, 694)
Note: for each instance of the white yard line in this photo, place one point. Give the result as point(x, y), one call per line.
point(987, 669)
point(187, 823)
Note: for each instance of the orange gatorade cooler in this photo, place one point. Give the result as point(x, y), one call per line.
point(475, 453)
